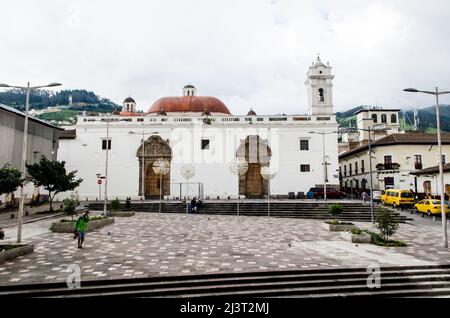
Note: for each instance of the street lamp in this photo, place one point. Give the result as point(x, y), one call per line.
point(187, 171)
point(142, 160)
point(323, 133)
point(161, 167)
point(268, 173)
point(370, 130)
point(28, 88)
point(238, 166)
point(441, 168)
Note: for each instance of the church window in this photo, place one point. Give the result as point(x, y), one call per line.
point(106, 142)
point(393, 118)
point(305, 168)
point(321, 95)
point(375, 118)
point(304, 144)
point(205, 144)
point(384, 118)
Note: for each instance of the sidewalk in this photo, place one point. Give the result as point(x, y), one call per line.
point(6, 221)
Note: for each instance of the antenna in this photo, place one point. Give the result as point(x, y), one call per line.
point(416, 119)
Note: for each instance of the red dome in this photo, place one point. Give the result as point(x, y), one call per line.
point(189, 104)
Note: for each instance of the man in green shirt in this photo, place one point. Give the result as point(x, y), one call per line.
point(81, 228)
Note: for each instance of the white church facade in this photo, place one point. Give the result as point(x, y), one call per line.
point(200, 139)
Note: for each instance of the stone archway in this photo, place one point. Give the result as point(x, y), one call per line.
point(257, 154)
point(154, 148)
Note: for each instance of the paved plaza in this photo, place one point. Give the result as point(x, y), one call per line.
point(149, 244)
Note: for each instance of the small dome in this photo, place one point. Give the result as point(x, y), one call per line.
point(129, 100)
point(206, 113)
point(251, 112)
point(189, 86)
point(162, 112)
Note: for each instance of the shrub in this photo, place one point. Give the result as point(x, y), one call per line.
point(377, 239)
point(115, 205)
point(70, 204)
point(386, 224)
point(357, 231)
point(335, 209)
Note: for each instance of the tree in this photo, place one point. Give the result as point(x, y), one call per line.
point(52, 175)
point(10, 179)
point(386, 224)
point(335, 210)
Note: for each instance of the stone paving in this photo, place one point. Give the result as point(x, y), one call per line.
point(177, 244)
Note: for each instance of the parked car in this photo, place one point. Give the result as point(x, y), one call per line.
point(430, 206)
point(317, 193)
point(398, 198)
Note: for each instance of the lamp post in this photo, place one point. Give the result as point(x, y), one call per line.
point(238, 166)
point(28, 89)
point(436, 93)
point(325, 179)
point(161, 167)
point(187, 171)
point(142, 160)
point(108, 143)
point(268, 173)
point(372, 210)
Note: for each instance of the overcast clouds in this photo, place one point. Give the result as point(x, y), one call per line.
point(248, 53)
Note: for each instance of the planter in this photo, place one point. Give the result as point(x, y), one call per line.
point(68, 227)
point(339, 227)
point(357, 238)
point(121, 213)
point(14, 250)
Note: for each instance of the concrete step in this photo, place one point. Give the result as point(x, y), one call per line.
point(351, 282)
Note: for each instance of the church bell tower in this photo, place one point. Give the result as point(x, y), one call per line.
point(319, 83)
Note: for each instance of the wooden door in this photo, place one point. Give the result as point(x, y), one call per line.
point(151, 183)
point(254, 181)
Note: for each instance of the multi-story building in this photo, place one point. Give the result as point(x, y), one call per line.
point(394, 158)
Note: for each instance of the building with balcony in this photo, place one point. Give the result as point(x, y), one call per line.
point(394, 159)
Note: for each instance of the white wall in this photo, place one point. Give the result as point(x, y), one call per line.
point(211, 166)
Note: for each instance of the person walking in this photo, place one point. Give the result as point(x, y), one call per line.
point(81, 228)
point(364, 197)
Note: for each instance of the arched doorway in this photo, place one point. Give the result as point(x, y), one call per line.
point(154, 148)
point(257, 153)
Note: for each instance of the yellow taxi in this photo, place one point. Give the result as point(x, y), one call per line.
point(398, 198)
point(430, 206)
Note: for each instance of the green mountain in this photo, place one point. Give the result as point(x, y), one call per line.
point(69, 102)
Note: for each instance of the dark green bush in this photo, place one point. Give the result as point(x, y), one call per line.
point(115, 205)
point(335, 209)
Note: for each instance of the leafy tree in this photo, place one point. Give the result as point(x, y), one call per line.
point(10, 179)
point(70, 204)
point(52, 175)
point(335, 209)
point(386, 224)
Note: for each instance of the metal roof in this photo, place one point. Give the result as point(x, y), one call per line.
point(19, 113)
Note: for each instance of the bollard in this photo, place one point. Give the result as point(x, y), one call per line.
point(423, 215)
point(434, 218)
point(12, 215)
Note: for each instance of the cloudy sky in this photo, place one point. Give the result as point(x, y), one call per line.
point(248, 53)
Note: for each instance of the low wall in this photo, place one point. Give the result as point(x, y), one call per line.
point(20, 250)
point(68, 227)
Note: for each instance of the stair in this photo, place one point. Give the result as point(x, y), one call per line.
point(355, 212)
point(408, 281)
